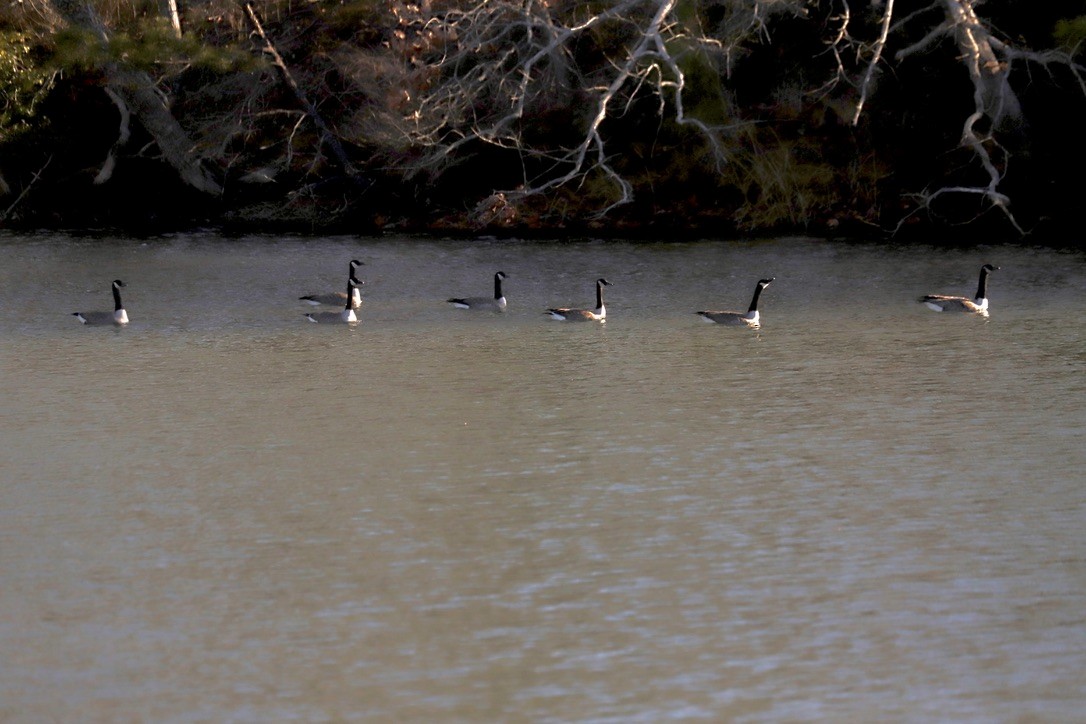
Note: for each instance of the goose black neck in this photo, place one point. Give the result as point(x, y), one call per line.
point(117, 298)
point(982, 286)
point(754, 300)
point(498, 286)
point(350, 292)
point(599, 295)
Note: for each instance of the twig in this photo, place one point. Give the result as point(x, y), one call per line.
point(26, 189)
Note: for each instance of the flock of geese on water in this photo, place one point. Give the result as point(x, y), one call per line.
point(352, 300)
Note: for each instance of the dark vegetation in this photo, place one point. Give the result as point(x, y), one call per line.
point(542, 116)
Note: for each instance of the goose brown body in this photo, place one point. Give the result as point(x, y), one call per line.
point(950, 303)
point(497, 303)
point(572, 314)
point(750, 319)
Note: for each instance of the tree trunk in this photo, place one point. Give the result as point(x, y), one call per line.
point(137, 91)
point(168, 9)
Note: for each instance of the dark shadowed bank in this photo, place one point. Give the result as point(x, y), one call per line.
point(614, 118)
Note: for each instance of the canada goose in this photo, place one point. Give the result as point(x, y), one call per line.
point(118, 316)
point(599, 314)
point(335, 299)
point(749, 319)
point(978, 305)
point(347, 315)
point(488, 304)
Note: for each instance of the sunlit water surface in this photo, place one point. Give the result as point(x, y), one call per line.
point(865, 511)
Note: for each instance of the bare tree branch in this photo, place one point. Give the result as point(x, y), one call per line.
point(887, 16)
point(988, 61)
point(511, 59)
point(124, 132)
point(326, 132)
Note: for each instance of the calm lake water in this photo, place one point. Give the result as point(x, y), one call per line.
point(865, 511)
